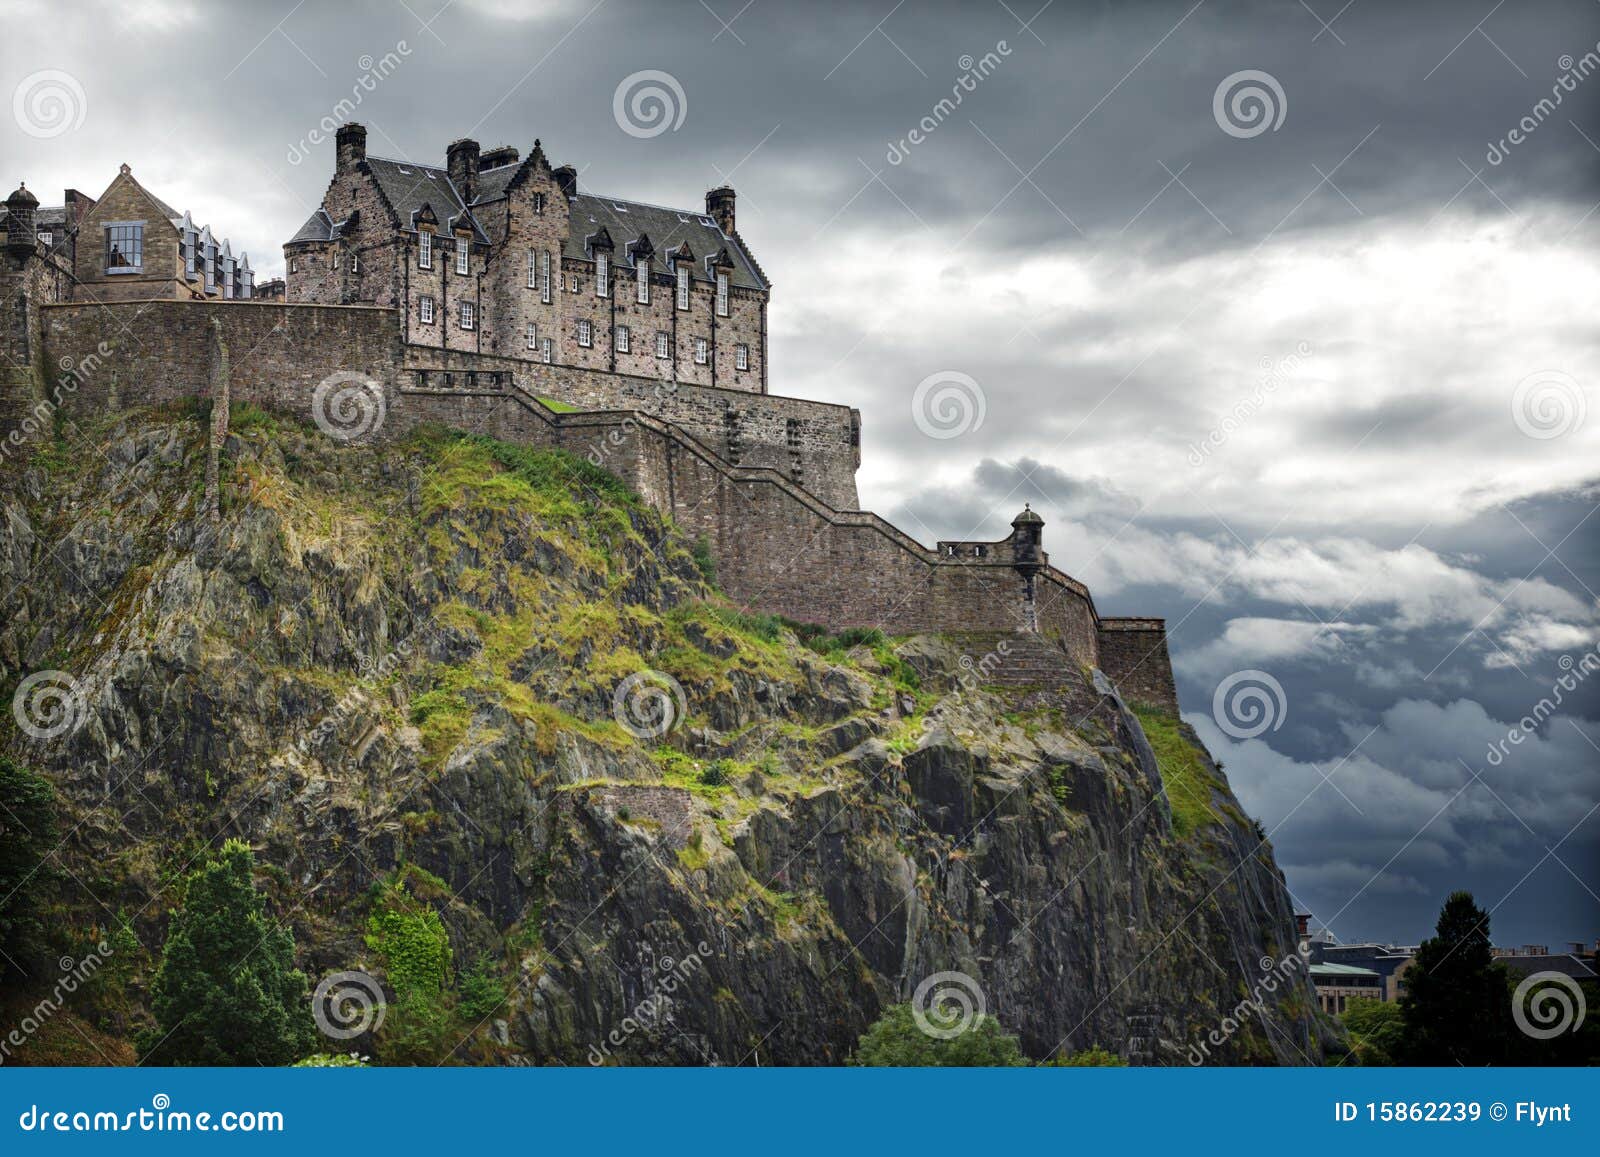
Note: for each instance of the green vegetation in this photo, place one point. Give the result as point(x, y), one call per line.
point(558, 406)
point(704, 562)
point(27, 834)
point(1455, 1006)
point(411, 943)
point(1188, 782)
point(226, 991)
point(1093, 1057)
point(1377, 1031)
point(896, 1040)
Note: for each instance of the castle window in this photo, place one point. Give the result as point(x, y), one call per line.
point(586, 333)
point(125, 247)
point(741, 356)
point(701, 351)
point(602, 275)
point(683, 287)
point(624, 339)
point(463, 252)
point(538, 203)
point(533, 271)
point(642, 272)
point(424, 250)
point(425, 310)
point(355, 263)
point(663, 348)
point(533, 336)
point(791, 433)
point(46, 237)
point(468, 315)
point(722, 295)
point(544, 276)
point(294, 265)
point(548, 351)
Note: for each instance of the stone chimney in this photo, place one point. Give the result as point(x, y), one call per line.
point(567, 177)
point(20, 235)
point(497, 157)
point(719, 207)
point(350, 144)
point(462, 160)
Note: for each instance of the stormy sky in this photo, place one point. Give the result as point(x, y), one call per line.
point(1282, 314)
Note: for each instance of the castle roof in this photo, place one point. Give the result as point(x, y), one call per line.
point(668, 230)
point(408, 187)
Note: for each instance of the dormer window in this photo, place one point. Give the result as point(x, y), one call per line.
point(722, 295)
point(683, 287)
point(602, 275)
point(424, 250)
point(125, 247)
point(463, 256)
point(642, 273)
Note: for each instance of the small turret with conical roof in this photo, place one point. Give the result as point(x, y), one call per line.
point(20, 234)
point(1027, 539)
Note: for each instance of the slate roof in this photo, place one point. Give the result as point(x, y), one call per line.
point(409, 187)
point(1336, 970)
point(1556, 962)
point(667, 229)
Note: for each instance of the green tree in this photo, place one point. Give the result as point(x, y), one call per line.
point(1377, 1031)
point(1455, 1007)
point(27, 836)
point(420, 1027)
point(896, 1040)
point(226, 991)
point(1093, 1057)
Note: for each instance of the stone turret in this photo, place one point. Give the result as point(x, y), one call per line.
point(461, 160)
point(20, 234)
point(1027, 556)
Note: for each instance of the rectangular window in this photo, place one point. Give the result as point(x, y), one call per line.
point(722, 295)
point(544, 276)
point(425, 310)
point(586, 333)
point(463, 250)
point(642, 272)
point(294, 265)
point(741, 356)
point(468, 315)
point(602, 275)
point(46, 237)
point(533, 336)
point(125, 248)
point(424, 250)
point(683, 288)
point(538, 203)
point(624, 338)
point(355, 263)
point(701, 350)
point(533, 271)
point(548, 350)
point(663, 348)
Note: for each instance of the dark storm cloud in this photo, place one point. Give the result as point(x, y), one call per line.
point(1123, 279)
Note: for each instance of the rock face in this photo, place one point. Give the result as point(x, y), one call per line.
point(669, 831)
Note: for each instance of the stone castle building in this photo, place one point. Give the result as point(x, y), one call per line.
point(490, 293)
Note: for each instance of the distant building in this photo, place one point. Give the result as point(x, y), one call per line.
point(270, 290)
point(1338, 984)
point(1531, 958)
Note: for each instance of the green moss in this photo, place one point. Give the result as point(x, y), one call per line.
point(558, 406)
point(1188, 782)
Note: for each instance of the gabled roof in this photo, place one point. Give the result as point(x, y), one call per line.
point(408, 187)
point(668, 228)
point(321, 227)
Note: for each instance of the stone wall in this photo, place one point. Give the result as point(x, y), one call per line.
point(779, 548)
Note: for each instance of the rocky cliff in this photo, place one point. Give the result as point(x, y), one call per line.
point(667, 832)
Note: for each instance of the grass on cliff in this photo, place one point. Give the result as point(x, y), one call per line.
point(1188, 781)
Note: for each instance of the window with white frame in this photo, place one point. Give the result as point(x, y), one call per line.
point(642, 273)
point(624, 339)
point(548, 350)
point(424, 250)
point(602, 275)
point(46, 237)
point(683, 287)
point(355, 263)
point(533, 336)
point(533, 270)
point(585, 333)
point(425, 310)
point(741, 356)
point(722, 295)
point(663, 344)
point(701, 351)
point(468, 315)
point(463, 252)
point(544, 276)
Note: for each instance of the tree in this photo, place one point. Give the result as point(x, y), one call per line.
point(226, 991)
point(1455, 1007)
point(1094, 1057)
point(1377, 1031)
point(420, 1027)
point(27, 836)
point(896, 1040)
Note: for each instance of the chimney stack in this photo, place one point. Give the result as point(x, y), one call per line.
point(350, 144)
point(567, 177)
point(462, 160)
point(719, 207)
